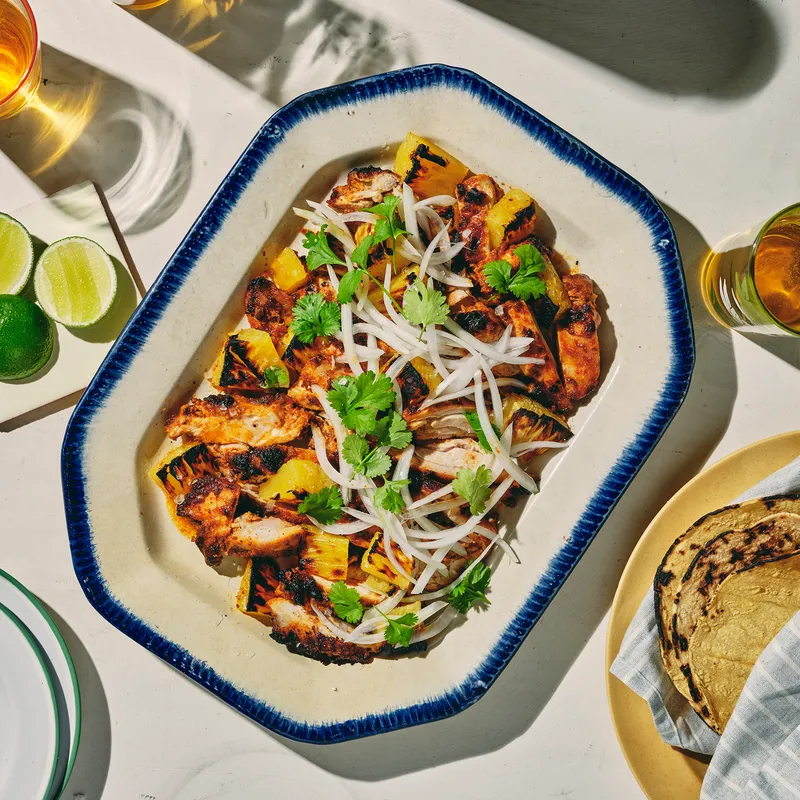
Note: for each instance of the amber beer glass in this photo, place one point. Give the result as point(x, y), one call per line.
point(756, 288)
point(20, 56)
point(140, 5)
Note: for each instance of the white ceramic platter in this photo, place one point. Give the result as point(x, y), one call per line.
point(153, 584)
point(77, 211)
point(29, 729)
point(33, 615)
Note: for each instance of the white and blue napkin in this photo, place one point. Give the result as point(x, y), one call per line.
point(758, 756)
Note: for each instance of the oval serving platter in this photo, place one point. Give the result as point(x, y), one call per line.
point(153, 584)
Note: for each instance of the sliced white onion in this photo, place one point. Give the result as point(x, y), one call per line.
point(384, 334)
point(423, 266)
point(356, 513)
point(430, 498)
point(410, 217)
point(497, 402)
point(432, 339)
point(471, 343)
point(348, 341)
point(360, 216)
point(342, 528)
point(326, 466)
point(445, 620)
point(527, 447)
point(338, 233)
point(374, 354)
point(436, 200)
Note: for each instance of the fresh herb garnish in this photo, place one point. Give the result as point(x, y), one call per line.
point(392, 431)
point(424, 306)
point(346, 602)
point(525, 283)
point(364, 458)
point(473, 486)
point(388, 225)
point(358, 400)
point(471, 589)
point(350, 282)
point(388, 496)
point(319, 251)
point(400, 629)
point(275, 377)
point(314, 316)
point(475, 424)
point(325, 506)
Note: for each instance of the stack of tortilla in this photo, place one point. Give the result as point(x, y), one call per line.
point(724, 589)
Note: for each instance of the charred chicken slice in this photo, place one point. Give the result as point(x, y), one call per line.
point(254, 536)
point(253, 465)
point(475, 196)
point(446, 458)
point(210, 505)
point(442, 421)
point(365, 187)
point(269, 308)
point(578, 345)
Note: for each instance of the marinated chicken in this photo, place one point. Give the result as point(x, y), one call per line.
point(210, 505)
point(365, 187)
point(578, 345)
point(446, 458)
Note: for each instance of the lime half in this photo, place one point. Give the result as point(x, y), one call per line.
point(26, 338)
point(75, 282)
point(16, 255)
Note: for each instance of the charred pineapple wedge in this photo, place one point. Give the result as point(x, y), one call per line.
point(426, 168)
point(288, 271)
point(400, 282)
point(375, 562)
point(249, 361)
point(325, 554)
point(511, 219)
point(552, 305)
point(533, 422)
point(297, 477)
point(180, 468)
point(257, 587)
point(405, 608)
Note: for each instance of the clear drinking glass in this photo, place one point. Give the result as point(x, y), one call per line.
point(20, 56)
point(753, 285)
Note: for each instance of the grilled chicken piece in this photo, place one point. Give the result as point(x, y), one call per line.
point(253, 536)
point(446, 458)
point(472, 546)
point(303, 633)
point(475, 196)
point(413, 388)
point(442, 421)
point(533, 423)
point(477, 318)
point(210, 504)
point(224, 419)
point(365, 187)
point(545, 382)
point(269, 308)
point(578, 345)
point(253, 465)
point(317, 370)
point(367, 595)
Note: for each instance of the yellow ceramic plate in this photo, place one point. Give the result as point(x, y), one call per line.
point(663, 772)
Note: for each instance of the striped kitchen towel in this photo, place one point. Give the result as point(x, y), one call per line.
point(758, 757)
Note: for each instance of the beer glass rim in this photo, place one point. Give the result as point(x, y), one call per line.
point(32, 62)
point(751, 264)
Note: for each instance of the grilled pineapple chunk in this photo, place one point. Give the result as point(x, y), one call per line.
point(375, 562)
point(555, 302)
point(325, 554)
point(288, 271)
point(378, 584)
point(511, 219)
point(400, 282)
point(249, 360)
point(533, 422)
point(258, 584)
point(296, 476)
point(426, 168)
point(180, 468)
point(427, 372)
point(405, 608)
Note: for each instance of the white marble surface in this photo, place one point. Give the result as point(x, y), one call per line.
point(699, 101)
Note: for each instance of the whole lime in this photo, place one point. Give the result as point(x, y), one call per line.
point(26, 338)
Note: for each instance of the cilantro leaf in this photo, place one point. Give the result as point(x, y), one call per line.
point(349, 284)
point(388, 225)
point(388, 496)
point(473, 486)
point(319, 251)
point(275, 377)
point(359, 399)
point(471, 589)
point(361, 254)
point(392, 431)
point(525, 283)
point(314, 316)
point(424, 306)
point(346, 602)
point(325, 506)
point(475, 424)
point(400, 629)
point(365, 460)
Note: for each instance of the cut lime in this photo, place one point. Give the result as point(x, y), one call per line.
point(75, 282)
point(26, 338)
point(16, 255)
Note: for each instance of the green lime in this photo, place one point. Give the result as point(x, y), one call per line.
point(26, 337)
point(16, 255)
point(75, 282)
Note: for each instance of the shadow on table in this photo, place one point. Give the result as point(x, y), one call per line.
point(85, 124)
point(94, 751)
point(727, 50)
point(282, 48)
point(523, 689)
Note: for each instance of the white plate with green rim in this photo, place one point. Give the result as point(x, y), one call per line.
point(29, 609)
point(29, 730)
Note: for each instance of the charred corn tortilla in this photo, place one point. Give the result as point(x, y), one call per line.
point(680, 555)
point(748, 610)
point(775, 537)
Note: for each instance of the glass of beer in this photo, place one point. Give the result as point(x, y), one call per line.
point(20, 56)
point(754, 286)
point(140, 5)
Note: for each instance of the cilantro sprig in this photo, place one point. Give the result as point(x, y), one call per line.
point(474, 487)
point(399, 629)
point(475, 424)
point(364, 458)
point(325, 506)
point(388, 225)
point(275, 377)
point(471, 589)
point(357, 400)
point(424, 306)
point(349, 283)
point(526, 282)
point(314, 316)
point(319, 251)
point(346, 602)
point(388, 496)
